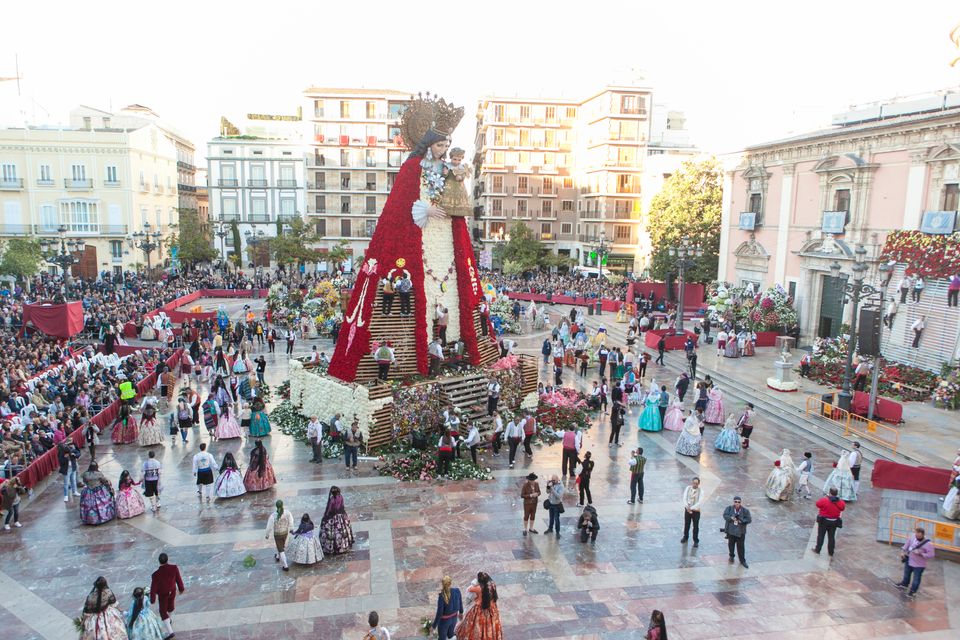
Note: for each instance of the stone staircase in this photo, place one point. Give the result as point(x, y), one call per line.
point(941, 335)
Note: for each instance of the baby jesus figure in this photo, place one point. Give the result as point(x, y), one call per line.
point(455, 200)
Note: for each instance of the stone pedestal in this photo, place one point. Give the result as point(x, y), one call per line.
point(784, 344)
point(782, 379)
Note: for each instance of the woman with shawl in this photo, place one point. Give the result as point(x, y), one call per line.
point(125, 428)
point(782, 481)
point(690, 441)
point(841, 478)
point(259, 476)
point(96, 499)
point(259, 422)
point(101, 618)
point(336, 534)
point(304, 545)
point(482, 621)
point(150, 433)
point(728, 440)
point(142, 622)
point(227, 425)
point(673, 421)
point(229, 483)
point(650, 418)
point(714, 411)
point(129, 502)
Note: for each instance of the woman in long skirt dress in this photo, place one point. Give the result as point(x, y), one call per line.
point(951, 503)
point(482, 620)
point(714, 411)
point(728, 440)
point(101, 618)
point(336, 534)
point(690, 441)
point(673, 421)
point(125, 428)
point(227, 425)
point(150, 432)
point(129, 502)
point(96, 499)
point(650, 418)
point(211, 414)
point(750, 345)
point(259, 422)
point(841, 478)
point(259, 476)
point(304, 546)
point(780, 483)
point(142, 622)
point(731, 350)
point(229, 483)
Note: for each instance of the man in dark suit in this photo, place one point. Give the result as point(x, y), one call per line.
point(164, 584)
point(736, 518)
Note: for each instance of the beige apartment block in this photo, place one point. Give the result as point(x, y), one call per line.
point(353, 155)
point(571, 169)
point(99, 181)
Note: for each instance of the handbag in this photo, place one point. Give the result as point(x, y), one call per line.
point(561, 510)
point(546, 503)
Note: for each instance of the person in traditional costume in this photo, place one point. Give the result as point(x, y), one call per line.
point(101, 618)
point(259, 476)
point(96, 498)
point(279, 526)
point(841, 478)
point(125, 428)
point(650, 418)
point(142, 622)
point(129, 502)
point(150, 433)
point(780, 483)
point(229, 483)
point(750, 344)
point(336, 534)
point(416, 235)
point(714, 411)
point(731, 350)
point(951, 503)
point(211, 415)
point(227, 425)
point(449, 609)
point(690, 441)
point(259, 422)
point(304, 547)
point(728, 440)
point(482, 620)
point(673, 421)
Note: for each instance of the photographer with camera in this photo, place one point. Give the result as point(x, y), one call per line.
point(914, 555)
point(829, 519)
point(736, 518)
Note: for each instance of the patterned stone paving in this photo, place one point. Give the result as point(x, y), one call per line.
point(410, 535)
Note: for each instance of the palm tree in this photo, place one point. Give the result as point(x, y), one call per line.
point(338, 255)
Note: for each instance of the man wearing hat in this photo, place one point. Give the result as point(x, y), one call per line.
point(531, 496)
point(736, 518)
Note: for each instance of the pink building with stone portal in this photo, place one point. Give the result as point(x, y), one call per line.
point(792, 207)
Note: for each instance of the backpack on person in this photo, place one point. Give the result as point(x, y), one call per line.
point(184, 414)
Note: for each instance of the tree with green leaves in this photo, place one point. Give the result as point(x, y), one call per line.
point(235, 234)
point(687, 207)
point(291, 248)
point(193, 245)
point(338, 254)
point(524, 252)
point(21, 258)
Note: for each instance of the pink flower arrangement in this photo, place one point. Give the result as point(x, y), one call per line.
point(509, 362)
point(767, 304)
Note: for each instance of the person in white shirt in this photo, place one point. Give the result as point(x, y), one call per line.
point(203, 466)
point(855, 458)
point(514, 434)
point(805, 469)
point(436, 356)
point(493, 396)
point(280, 524)
point(692, 497)
point(473, 441)
point(917, 289)
point(918, 326)
point(315, 436)
point(497, 433)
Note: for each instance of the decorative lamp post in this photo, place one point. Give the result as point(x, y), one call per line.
point(600, 252)
point(221, 233)
point(684, 253)
point(62, 256)
point(853, 292)
point(147, 242)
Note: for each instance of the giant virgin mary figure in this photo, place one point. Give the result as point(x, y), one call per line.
point(415, 237)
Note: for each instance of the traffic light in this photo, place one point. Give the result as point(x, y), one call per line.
point(593, 257)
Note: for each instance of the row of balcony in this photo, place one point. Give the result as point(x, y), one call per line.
point(256, 183)
point(529, 191)
point(350, 211)
point(323, 163)
point(16, 184)
point(349, 141)
point(7, 230)
point(257, 218)
point(346, 186)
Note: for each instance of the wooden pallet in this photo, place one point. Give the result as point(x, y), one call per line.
point(469, 394)
point(529, 374)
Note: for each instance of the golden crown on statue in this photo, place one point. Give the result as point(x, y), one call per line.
point(426, 112)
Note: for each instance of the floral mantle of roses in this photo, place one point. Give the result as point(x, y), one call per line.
point(432, 179)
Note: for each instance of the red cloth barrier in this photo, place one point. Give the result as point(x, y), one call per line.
point(885, 410)
point(893, 475)
point(58, 320)
point(48, 462)
point(673, 343)
point(693, 303)
point(767, 338)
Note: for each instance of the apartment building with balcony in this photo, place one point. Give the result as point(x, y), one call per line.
point(353, 155)
point(571, 169)
point(256, 179)
point(792, 207)
point(101, 182)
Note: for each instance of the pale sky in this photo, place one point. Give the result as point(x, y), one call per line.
point(742, 71)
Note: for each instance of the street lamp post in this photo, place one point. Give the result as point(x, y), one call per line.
point(684, 252)
point(853, 292)
point(62, 256)
point(601, 251)
point(222, 234)
point(146, 241)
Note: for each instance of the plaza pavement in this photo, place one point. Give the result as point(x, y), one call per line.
point(411, 534)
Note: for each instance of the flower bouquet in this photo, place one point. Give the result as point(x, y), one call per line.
point(426, 626)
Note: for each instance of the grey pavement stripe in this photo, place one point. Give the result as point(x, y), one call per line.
point(33, 611)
